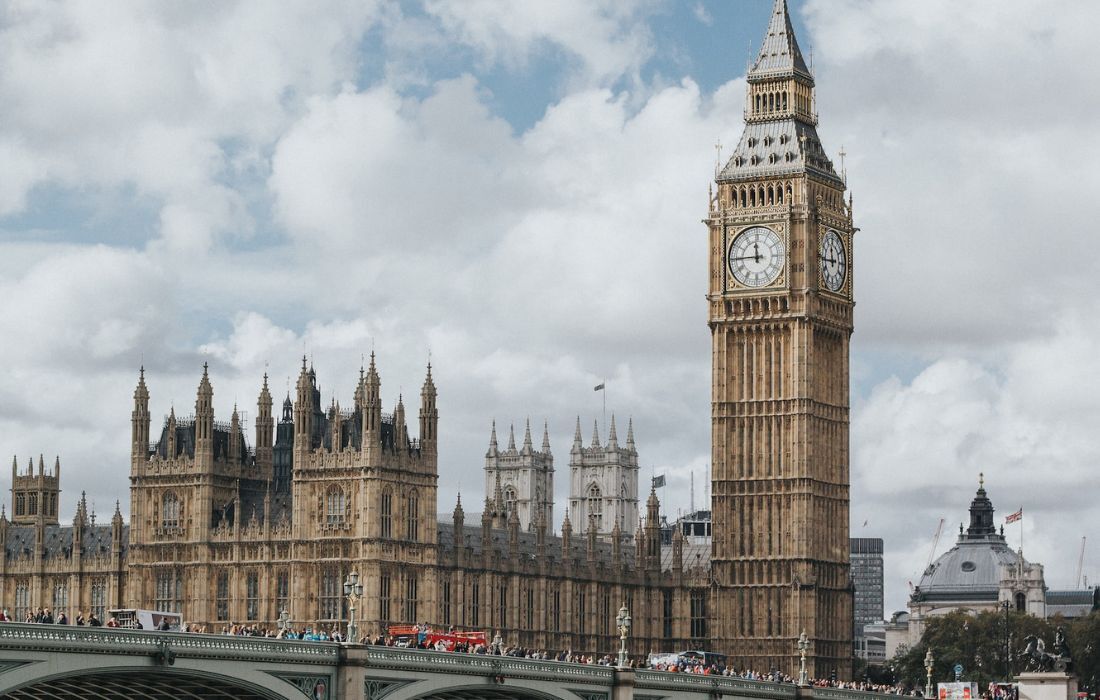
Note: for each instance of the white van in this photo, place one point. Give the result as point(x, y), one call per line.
point(135, 619)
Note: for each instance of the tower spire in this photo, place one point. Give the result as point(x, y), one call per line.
point(511, 438)
point(527, 445)
point(493, 441)
point(595, 433)
point(546, 437)
point(779, 56)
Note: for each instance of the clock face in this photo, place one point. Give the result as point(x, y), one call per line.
point(757, 256)
point(834, 261)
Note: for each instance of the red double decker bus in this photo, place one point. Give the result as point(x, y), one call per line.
point(409, 635)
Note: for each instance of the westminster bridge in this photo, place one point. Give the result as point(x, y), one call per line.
point(57, 662)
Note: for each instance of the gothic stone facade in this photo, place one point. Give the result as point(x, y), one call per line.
point(218, 534)
point(780, 313)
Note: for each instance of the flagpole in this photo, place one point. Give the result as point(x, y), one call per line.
point(605, 406)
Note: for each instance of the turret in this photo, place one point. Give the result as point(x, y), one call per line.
point(372, 416)
point(513, 537)
point(459, 541)
point(652, 531)
point(400, 434)
point(204, 423)
point(592, 537)
point(139, 421)
point(116, 533)
point(336, 425)
point(528, 447)
point(500, 516)
point(617, 546)
point(265, 430)
point(429, 416)
point(487, 530)
point(303, 417)
point(678, 551)
point(566, 540)
point(171, 430)
point(80, 521)
point(540, 534)
point(493, 451)
point(235, 437)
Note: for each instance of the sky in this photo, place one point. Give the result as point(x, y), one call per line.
point(515, 191)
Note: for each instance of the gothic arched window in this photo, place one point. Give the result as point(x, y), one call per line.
point(386, 513)
point(1021, 602)
point(509, 500)
point(170, 510)
point(336, 502)
point(412, 519)
point(595, 504)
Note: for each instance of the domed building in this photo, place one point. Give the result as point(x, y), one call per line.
point(981, 572)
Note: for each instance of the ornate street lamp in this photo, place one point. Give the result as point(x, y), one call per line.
point(283, 622)
point(928, 661)
point(803, 647)
point(622, 621)
point(354, 591)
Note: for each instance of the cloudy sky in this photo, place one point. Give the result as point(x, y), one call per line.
point(516, 189)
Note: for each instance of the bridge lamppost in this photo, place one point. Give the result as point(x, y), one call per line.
point(283, 622)
point(623, 623)
point(928, 662)
point(354, 591)
point(803, 647)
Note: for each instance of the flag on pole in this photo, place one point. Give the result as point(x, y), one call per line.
point(1014, 517)
point(599, 387)
point(658, 481)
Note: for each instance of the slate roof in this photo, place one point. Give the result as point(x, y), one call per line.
point(775, 148)
point(59, 541)
point(578, 545)
point(779, 52)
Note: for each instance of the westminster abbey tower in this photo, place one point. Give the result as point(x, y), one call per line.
point(780, 314)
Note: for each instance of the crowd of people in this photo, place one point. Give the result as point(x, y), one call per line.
point(45, 616)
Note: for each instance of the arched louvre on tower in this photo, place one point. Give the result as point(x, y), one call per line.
point(780, 314)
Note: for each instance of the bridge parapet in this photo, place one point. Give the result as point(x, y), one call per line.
point(707, 686)
point(105, 640)
point(479, 665)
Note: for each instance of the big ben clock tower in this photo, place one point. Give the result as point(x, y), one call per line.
point(780, 314)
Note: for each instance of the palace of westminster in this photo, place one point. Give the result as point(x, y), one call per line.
point(226, 532)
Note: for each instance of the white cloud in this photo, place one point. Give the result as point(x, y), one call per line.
point(609, 38)
point(1025, 421)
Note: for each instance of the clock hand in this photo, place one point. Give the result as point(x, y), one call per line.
point(756, 249)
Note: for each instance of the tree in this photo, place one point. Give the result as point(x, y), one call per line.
point(976, 641)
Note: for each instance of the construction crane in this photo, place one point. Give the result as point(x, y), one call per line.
point(935, 542)
point(1080, 563)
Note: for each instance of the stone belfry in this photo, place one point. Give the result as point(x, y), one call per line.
point(780, 314)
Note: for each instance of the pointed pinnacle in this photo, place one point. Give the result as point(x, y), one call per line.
point(511, 438)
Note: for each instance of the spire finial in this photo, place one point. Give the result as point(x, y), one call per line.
point(527, 435)
point(546, 437)
point(612, 436)
point(595, 433)
point(981, 480)
point(511, 438)
point(577, 434)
